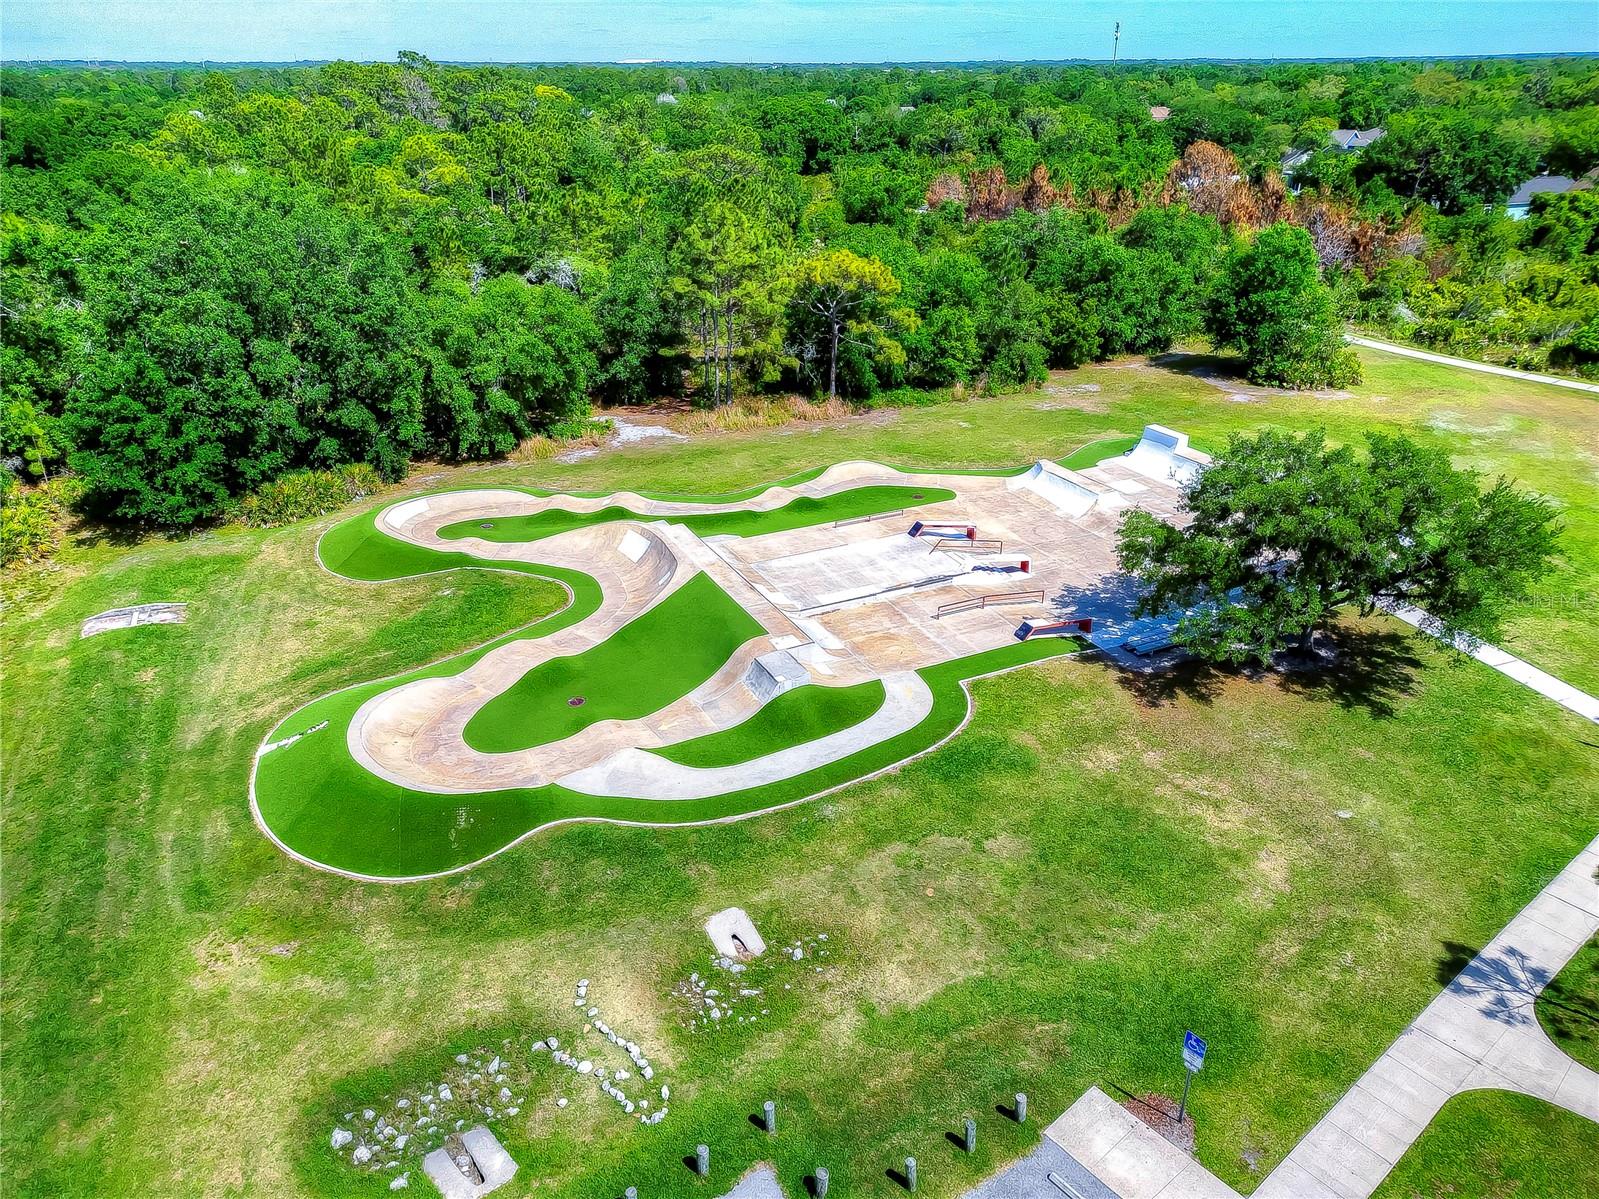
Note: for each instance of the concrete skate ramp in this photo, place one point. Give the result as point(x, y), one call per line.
point(814, 580)
point(1069, 491)
point(1164, 455)
point(637, 774)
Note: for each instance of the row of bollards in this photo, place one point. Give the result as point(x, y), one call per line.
point(820, 1180)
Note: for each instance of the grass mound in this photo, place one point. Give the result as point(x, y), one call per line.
point(647, 664)
point(793, 718)
point(796, 514)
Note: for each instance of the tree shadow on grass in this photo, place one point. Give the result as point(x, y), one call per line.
point(1357, 668)
point(1164, 678)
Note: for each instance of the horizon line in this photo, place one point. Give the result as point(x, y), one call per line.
point(819, 62)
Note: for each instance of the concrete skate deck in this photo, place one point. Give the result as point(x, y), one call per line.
point(847, 603)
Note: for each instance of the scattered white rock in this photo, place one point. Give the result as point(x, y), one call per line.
point(400, 1183)
point(342, 1137)
point(561, 1102)
point(585, 1066)
point(362, 1155)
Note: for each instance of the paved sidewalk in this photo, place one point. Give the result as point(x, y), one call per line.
point(1506, 663)
point(1486, 368)
point(1480, 1032)
point(1127, 1155)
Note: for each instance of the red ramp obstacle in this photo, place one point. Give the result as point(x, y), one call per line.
point(951, 529)
point(1054, 628)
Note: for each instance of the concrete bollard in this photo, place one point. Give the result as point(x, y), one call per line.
point(910, 1174)
point(702, 1160)
point(769, 1115)
point(971, 1135)
point(1021, 1107)
point(821, 1182)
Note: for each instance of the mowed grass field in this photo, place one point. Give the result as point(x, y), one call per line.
point(1481, 1139)
point(1044, 903)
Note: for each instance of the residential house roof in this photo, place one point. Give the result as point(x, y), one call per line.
point(1544, 185)
point(1355, 139)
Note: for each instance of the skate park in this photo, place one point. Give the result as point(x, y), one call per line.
point(718, 673)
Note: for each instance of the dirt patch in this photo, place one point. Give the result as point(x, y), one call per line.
point(1074, 397)
point(1160, 1113)
point(1221, 373)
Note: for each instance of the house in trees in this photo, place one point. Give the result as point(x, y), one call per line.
point(1520, 203)
point(1339, 141)
point(1355, 139)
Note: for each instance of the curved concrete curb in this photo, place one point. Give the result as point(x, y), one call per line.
point(633, 773)
point(1486, 368)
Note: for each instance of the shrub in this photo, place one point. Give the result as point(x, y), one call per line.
point(575, 434)
point(755, 412)
point(307, 493)
point(31, 518)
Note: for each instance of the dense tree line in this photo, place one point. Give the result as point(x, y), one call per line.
point(217, 277)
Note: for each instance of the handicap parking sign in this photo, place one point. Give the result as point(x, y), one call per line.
point(1193, 1051)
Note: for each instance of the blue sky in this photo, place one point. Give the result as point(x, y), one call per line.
point(786, 30)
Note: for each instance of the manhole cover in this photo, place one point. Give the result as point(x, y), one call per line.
point(577, 701)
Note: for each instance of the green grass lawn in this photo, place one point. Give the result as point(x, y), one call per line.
point(793, 718)
point(1495, 1145)
point(652, 661)
point(1568, 1007)
point(1043, 903)
point(796, 514)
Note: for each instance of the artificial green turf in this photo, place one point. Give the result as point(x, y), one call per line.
point(1497, 1144)
point(793, 718)
point(322, 804)
point(650, 662)
point(796, 514)
point(1568, 1008)
point(357, 549)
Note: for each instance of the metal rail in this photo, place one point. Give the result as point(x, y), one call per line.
point(992, 600)
point(857, 520)
point(963, 545)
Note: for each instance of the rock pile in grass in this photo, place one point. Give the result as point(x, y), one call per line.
point(403, 1128)
point(732, 993)
point(485, 1085)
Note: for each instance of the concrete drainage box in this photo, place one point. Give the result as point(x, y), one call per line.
point(487, 1166)
point(733, 934)
point(139, 614)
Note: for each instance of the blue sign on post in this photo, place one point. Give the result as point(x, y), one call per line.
point(1193, 1059)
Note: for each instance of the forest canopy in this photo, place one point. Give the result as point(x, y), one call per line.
point(217, 277)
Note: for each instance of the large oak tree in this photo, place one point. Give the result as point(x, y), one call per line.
point(1286, 531)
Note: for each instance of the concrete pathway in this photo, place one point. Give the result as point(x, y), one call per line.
point(1481, 1032)
point(1506, 663)
point(1126, 1155)
point(638, 774)
point(1467, 364)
